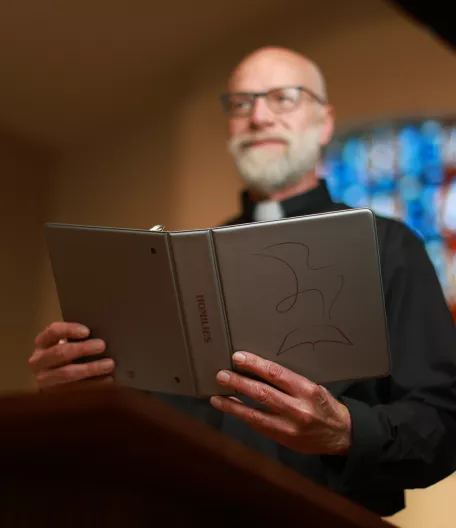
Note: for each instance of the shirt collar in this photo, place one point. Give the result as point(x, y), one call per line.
point(315, 201)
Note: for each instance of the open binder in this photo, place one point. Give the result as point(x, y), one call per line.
point(173, 307)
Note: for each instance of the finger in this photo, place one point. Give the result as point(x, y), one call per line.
point(267, 423)
point(279, 376)
point(51, 335)
point(277, 401)
point(63, 353)
point(72, 373)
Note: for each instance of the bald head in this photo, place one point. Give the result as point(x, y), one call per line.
point(271, 66)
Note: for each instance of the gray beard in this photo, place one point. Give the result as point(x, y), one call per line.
point(268, 172)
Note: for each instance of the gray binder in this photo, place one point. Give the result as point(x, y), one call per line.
point(173, 307)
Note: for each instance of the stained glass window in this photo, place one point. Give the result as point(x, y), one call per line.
point(404, 170)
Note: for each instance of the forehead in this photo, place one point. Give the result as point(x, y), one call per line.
point(270, 71)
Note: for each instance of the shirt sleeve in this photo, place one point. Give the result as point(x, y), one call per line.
point(409, 439)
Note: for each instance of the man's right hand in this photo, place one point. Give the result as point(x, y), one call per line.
point(51, 362)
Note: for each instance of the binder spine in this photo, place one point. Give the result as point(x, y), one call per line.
point(202, 308)
point(178, 292)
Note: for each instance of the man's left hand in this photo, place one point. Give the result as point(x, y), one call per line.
point(302, 415)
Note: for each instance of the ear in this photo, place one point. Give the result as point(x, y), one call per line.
point(327, 125)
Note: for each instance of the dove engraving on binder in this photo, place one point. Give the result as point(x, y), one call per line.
point(309, 283)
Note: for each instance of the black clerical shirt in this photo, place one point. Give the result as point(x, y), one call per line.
point(403, 426)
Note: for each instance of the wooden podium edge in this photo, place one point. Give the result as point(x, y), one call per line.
point(27, 415)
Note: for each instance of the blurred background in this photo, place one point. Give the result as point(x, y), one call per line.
point(109, 115)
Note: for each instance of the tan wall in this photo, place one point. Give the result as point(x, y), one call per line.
point(23, 178)
point(433, 507)
point(173, 169)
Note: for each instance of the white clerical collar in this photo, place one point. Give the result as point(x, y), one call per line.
point(267, 211)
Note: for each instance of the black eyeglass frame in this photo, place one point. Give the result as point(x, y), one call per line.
point(224, 98)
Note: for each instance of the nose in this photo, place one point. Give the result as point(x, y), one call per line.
point(261, 116)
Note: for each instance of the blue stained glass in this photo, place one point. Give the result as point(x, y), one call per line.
point(437, 253)
point(409, 188)
point(354, 157)
point(434, 174)
point(409, 150)
point(382, 157)
point(404, 170)
point(432, 135)
point(449, 151)
point(383, 185)
point(334, 188)
point(384, 204)
point(447, 211)
point(355, 196)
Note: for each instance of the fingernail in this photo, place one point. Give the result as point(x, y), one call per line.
point(82, 331)
point(239, 357)
point(216, 401)
point(223, 377)
point(98, 345)
point(106, 365)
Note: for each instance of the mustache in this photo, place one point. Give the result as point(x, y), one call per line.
point(246, 140)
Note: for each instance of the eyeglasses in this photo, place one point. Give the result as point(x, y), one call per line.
point(279, 100)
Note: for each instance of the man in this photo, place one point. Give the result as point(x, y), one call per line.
point(367, 440)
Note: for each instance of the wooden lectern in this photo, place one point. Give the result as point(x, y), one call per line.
point(117, 458)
